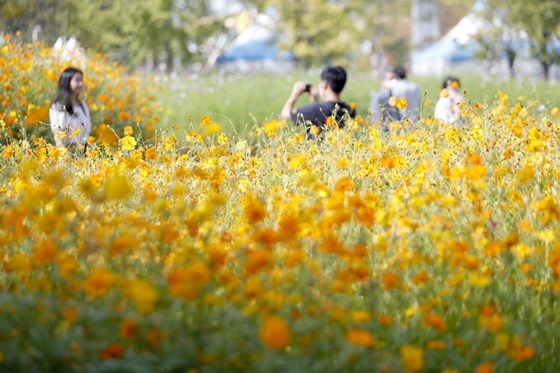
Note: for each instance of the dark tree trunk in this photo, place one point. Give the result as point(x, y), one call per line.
point(546, 69)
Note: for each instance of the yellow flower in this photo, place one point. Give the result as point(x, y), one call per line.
point(342, 162)
point(392, 101)
point(412, 358)
point(212, 129)
point(443, 93)
point(360, 316)
point(128, 130)
point(275, 333)
point(271, 127)
point(401, 103)
point(128, 142)
point(142, 294)
point(76, 132)
point(479, 280)
point(118, 187)
point(205, 120)
point(314, 130)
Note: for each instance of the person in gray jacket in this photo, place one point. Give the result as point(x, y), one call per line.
point(408, 90)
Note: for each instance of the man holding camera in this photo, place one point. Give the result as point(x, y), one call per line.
point(315, 115)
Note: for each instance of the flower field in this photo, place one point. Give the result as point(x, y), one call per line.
point(431, 249)
point(29, 75)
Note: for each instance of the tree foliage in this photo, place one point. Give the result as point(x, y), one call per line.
point(540, 20)
point(149, 31)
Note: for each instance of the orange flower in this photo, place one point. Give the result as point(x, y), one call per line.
point(150, 153)
point(390, 281)
point(257, 260)
point(113, 351)
point(275, 333)
point(359, 337)
point(435, 345)
point(99, 282)
point(330, 121)
point(255, 210)
point(486, 367)
point(154, 338)
point(129, 328)
point(523, 353)
point(435, 322)
point(384, 319)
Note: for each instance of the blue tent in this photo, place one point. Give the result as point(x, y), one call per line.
point(254, 50)
point(257, 42)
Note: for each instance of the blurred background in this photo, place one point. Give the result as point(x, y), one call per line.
point(429, 37)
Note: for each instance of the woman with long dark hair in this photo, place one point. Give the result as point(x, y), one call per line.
point(70, 120)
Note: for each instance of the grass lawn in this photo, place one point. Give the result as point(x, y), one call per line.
point(239, 102)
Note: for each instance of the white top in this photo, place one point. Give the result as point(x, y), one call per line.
point(62, 121)
point(447, 109)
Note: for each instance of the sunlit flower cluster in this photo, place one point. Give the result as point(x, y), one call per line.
point(29, 76)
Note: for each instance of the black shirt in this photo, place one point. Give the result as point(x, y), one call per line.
point(318, 112)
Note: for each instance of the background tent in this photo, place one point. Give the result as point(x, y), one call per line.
point(457, 46)
point(256, 48)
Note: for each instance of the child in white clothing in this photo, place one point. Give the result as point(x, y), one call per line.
point(447, 108)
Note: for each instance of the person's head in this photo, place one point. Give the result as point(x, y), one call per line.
point(400, 72)
point(452, 82)
point(70, 84)
point(335, 76)
point(389, 78)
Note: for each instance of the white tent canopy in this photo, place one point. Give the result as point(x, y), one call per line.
point(458, 45)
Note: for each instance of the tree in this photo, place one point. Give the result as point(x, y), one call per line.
point(540, 20)
point(149, 31)
point(496, 37)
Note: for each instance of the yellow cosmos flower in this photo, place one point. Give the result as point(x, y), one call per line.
point(118, 187)
point(128, 131)
point(142, 294)
point(128, 143)
point(205, 120)
point(412, 358)
point(401, 103)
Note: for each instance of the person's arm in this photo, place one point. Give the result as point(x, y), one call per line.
point(299, 87)
point(58, 123)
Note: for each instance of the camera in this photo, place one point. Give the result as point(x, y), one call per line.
point(307, 87)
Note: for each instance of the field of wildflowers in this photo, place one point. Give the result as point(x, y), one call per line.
point(433, 248)
point(29, 75)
